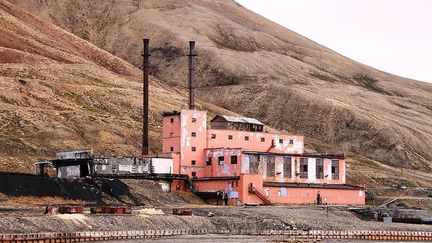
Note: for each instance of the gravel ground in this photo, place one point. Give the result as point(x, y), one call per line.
point(338, 218)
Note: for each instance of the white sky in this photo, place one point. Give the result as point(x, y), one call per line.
point(391, 35)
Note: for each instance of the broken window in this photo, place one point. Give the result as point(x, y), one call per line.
point(213, 136)
point(194, 120)
point(335, 169)
point(247, 138)
point(254, 164)
point(221, 160)
point(233, 159)
point(287, 167)
point(208, 161)
point(319, 169)
point(303, 168)
point(271, 166)
point(262, 139)
point(193, 134)
point(171, 149)
point(193, 148)
point(193, 162)
point(230, 137)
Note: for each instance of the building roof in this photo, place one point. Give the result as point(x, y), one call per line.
point(308, 155)
point(238, 119)
point(171, 113)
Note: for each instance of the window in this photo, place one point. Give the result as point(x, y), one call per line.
point(291, 141)
point(270, 166)
point(193, 162)
point(280, 140)
point(230, 137)
point(233, 159)
point(193, 148)
point(232, 184)
point(287, 167)
point(254, 161)
point(247, 138)
point(171, 149)
point(335, 169)
point(262, 139)
point(319, 169)
point(208, 161)
point(194, 120)
point(171, 134)
point(303, 168)
point(193, 134)
point(213, 136)
point(172, 120)
point(221, 160)
point(194, 174)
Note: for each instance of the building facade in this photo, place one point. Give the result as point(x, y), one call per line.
point(236, 158)
point(82, 163)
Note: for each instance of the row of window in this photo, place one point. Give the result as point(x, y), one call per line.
point(220, 159)
point(246, 138)
point(319, 170)
point(193, 120)
point(192, 148)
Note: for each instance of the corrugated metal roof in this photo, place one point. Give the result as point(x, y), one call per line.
point(242, 120)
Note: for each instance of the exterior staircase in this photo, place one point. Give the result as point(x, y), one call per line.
point(260, 194)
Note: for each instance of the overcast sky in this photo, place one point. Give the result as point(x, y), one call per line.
point(391, 35)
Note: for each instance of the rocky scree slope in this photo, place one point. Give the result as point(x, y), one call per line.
point(60, 92)
point(255, 67)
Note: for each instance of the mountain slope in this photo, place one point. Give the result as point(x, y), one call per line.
point(61, 92)
point(255, 67)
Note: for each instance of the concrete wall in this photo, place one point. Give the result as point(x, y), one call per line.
point(186, 132)
point(227, 168)
point(244, 195)
point(71, 171)
point(284, 195)
point(76, 154)
point(121, 165)
point(162, 165)
point(217, 138)
point(127, 165)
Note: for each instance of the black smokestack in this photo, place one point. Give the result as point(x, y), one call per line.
point(146, 55)
point(192, 56)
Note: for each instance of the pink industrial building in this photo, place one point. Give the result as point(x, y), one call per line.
point(237, 161)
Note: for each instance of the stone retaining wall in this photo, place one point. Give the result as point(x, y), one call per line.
point(293, 234)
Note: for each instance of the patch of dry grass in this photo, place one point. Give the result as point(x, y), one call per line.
point(34, 201)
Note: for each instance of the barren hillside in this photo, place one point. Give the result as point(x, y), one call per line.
point(253, 66)
point(60, 92)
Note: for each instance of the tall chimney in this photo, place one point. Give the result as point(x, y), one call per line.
point(192, 56)
point(146, 55)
